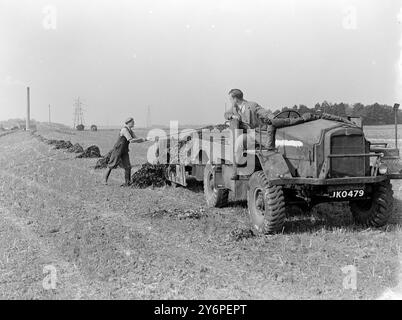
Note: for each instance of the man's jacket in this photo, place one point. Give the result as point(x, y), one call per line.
point(251, 113)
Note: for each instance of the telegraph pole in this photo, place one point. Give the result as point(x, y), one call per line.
point(396, 107)
point(28, 118)
point(49, 114)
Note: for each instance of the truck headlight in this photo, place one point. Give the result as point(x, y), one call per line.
point(382, 169)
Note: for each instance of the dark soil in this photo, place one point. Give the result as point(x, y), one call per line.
point(61, 144)
point(179, 213)
point(77, 148)
point(241, 233)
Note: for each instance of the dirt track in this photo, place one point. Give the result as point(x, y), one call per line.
point(113, 242)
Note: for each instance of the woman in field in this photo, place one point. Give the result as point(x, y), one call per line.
point(120, 156)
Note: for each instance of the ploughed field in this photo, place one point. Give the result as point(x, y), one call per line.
point(58, 219)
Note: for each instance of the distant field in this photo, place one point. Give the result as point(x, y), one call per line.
point(383, 133)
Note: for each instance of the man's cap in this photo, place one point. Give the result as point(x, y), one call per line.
point(128, 120)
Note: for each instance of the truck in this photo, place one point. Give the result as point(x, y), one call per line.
point(312, 162)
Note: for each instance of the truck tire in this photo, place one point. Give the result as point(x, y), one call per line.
point(266, 205)
point(214, 197)
point(376, 211)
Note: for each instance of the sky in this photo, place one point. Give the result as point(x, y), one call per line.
point(181, 57)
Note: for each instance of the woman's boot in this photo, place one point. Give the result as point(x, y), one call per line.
point(127, 177)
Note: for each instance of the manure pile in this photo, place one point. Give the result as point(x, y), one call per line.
point(149, 175)
point(102, 163)
point(90, 152)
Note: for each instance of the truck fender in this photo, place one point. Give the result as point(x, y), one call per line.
point(274, 165)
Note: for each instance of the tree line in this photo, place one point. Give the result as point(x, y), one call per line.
point(373, 114)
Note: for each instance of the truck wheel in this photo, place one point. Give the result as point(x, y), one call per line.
point(266, 205)
point(376, 211)
point(217, 198)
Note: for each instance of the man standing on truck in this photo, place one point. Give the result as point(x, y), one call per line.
point(250, 115)
point(120, 156)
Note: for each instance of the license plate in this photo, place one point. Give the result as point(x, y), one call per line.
point(343, 194)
